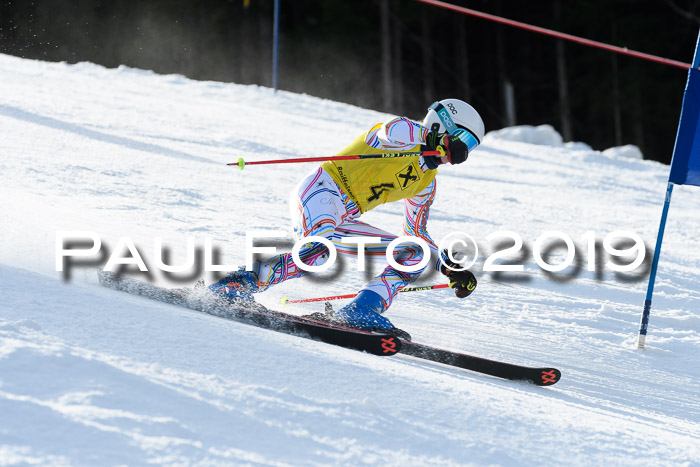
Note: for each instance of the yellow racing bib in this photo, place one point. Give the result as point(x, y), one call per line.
point(371, 182)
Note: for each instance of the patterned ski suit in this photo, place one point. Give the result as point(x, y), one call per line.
point(329, 201)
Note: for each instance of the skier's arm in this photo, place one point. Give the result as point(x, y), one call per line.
point(417, 208)
point(398, 134)
point(402, 134)
point(416, 220)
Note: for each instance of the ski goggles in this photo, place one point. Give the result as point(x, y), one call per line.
point(463, 134)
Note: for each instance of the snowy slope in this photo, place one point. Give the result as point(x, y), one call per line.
point(90, 376)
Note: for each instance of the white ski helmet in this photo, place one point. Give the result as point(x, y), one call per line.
point(443, 115)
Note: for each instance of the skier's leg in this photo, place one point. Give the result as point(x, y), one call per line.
point(377, 295)
point(390, 280)
point(316, 209)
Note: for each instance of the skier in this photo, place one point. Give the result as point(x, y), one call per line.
point(330, 200)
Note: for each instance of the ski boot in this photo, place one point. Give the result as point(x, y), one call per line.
point(238, 286)
point(364, 313)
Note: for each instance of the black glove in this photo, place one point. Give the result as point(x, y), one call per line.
point(455, 149)
point(463, 282)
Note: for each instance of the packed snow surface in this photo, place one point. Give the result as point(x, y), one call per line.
point(90, 376)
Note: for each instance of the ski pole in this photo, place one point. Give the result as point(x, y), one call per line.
point(439, 152)
point(286, 300)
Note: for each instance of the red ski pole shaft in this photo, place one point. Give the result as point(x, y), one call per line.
point(424, 287)
point(285, 300)
point(241, 163)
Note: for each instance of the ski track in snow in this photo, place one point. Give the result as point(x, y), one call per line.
point(90, 376)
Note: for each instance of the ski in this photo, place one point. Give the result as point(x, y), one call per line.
point(317, 329)
point(538, 376)
point(257, 315)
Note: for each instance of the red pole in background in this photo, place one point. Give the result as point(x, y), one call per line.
point(560, 35)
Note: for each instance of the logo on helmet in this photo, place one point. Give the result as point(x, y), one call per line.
point(446, 119)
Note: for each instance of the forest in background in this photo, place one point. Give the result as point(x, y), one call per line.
point(399, 55)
